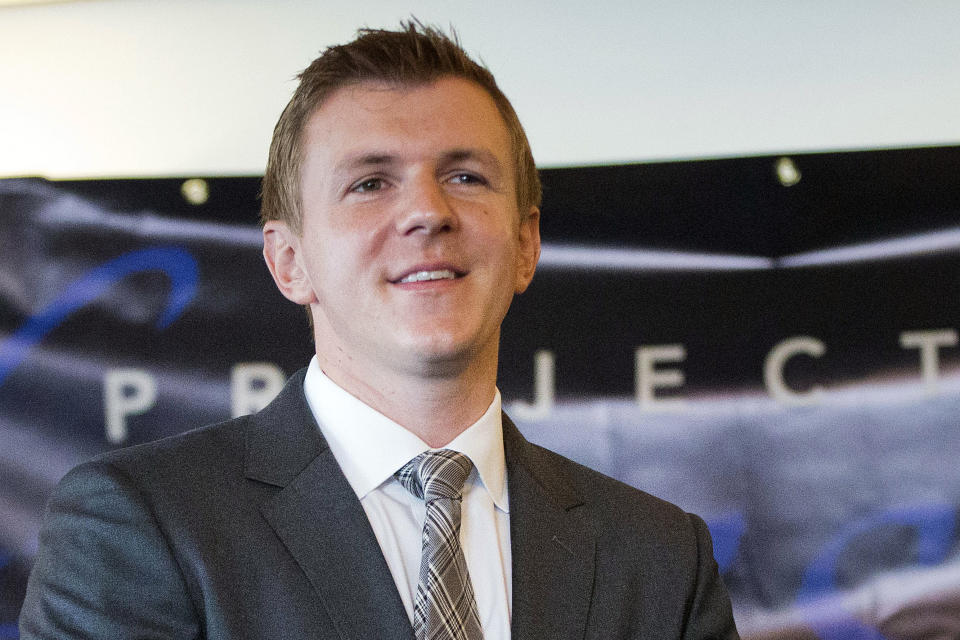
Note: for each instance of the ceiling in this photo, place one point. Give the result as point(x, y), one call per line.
point(174, 87)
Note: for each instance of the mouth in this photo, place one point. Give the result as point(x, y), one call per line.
point(425, 276)
point(429, 275)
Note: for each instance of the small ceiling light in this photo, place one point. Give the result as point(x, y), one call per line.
point(787, 172)
point(195, 191)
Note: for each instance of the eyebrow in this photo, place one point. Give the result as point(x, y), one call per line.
point(481, 155)
point(365, 160)
point(368, 160)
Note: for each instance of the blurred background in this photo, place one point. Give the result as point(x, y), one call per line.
point(747, 303)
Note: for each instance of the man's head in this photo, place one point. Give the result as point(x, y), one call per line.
point(415, 55)
point(404, 230)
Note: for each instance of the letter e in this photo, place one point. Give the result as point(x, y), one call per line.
point(647, 377)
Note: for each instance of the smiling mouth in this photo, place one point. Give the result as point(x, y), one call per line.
point(426, 276)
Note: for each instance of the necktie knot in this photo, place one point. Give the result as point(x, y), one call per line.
point(436, 474)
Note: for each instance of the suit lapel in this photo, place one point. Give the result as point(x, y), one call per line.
point(552, 546)
point(320, 521)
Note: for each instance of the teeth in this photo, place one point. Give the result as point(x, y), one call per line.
point(422, 276)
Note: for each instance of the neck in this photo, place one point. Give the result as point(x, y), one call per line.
point(436, 408)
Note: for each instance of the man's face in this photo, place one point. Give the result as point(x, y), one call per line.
point(412, 245)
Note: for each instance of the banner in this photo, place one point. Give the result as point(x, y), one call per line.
point(769, 342)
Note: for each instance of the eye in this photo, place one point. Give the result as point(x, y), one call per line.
point(467, 178)
point(369, 184)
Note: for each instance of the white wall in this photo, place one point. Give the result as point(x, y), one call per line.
point(180, 87)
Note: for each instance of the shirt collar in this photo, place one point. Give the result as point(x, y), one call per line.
point(370, 447)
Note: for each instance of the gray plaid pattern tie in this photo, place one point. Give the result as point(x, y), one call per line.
point(445, 607)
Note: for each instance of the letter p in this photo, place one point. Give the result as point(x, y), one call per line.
point(126, 392)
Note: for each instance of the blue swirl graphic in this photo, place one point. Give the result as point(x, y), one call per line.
point(177, 263)
point(934, 525)
point(726, 531)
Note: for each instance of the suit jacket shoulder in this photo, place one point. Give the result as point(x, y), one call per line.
point(245, 529)
point(624, 563)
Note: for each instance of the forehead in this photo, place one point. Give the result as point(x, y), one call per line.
point(412, 121)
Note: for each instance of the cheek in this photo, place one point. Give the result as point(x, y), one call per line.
point(361, 234)
point(497, 228)
point(335, 249)
point(322, 260)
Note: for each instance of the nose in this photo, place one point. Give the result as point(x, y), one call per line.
point(426, 208)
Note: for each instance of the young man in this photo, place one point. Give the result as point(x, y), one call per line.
point(382, 494)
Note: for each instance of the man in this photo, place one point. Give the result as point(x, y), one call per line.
point(400, 208)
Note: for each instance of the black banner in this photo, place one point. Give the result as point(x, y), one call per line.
point(769, 342)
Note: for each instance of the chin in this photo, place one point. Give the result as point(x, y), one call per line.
point(443, 351)
point(447, 346)
point(438, 351)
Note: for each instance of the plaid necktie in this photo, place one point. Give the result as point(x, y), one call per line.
point(445, 608)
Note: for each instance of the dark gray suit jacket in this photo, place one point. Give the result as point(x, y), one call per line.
point(248, 529)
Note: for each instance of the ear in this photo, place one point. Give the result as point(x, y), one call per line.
point(529, 249)
point(281, 251)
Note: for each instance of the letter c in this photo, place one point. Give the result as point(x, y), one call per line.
point(773, 369)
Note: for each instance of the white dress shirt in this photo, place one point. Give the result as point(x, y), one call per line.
point(370, 448)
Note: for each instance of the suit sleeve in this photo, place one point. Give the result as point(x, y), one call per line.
point(710, 614)
point(104, 568)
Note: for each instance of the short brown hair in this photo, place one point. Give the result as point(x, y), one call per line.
point(414, 55)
